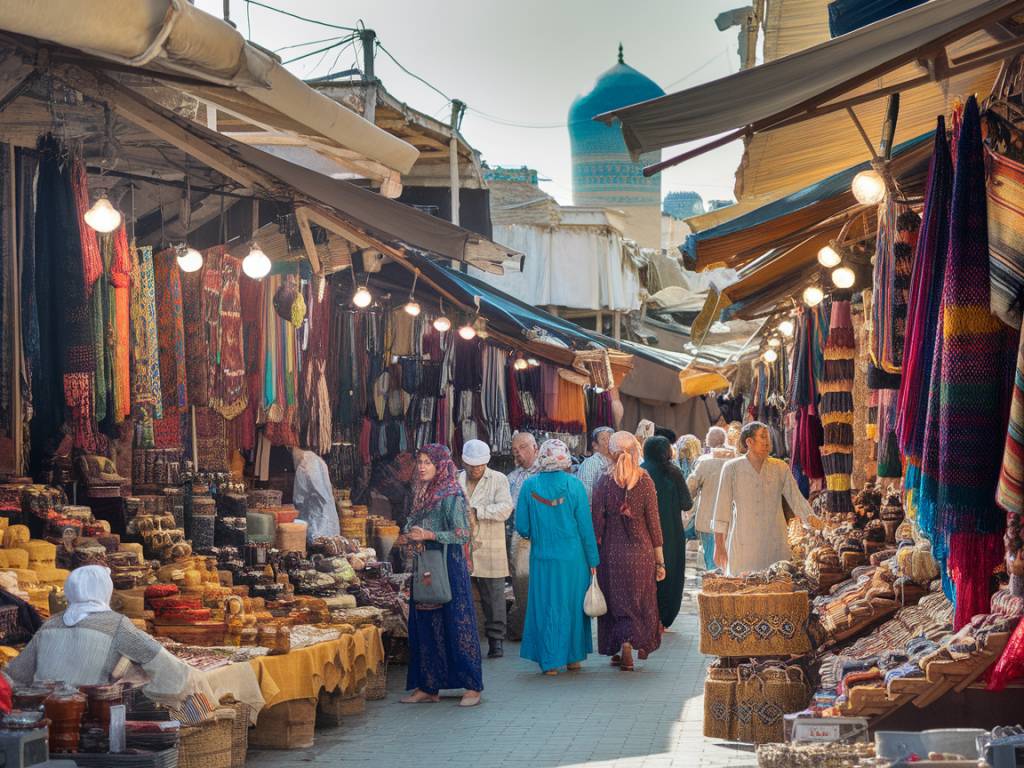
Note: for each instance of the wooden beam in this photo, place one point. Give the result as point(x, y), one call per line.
point(302, 219)
point(151, 117)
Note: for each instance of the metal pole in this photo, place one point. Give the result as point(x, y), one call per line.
point(369, 41)
point(453, 157)
point(227, 12)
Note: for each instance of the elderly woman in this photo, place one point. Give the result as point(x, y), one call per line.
point(554, 516)
point(444, 650)
point(688, 450)
point(703, 484)
point(673, 500)
point(629, 540)
point(86, 644)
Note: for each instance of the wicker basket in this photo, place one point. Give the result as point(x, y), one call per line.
point(377, 683)
point(208, 744)
point(240, 734)
point(333, 708)
point(763, 697)
point(754, 624)
point(288, 725)
point(720, 704)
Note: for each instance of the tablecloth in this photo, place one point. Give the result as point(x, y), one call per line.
point(341, 664)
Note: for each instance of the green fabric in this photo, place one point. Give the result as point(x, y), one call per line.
point(673, 498)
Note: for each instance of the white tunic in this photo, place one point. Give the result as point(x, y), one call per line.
point(748, 511)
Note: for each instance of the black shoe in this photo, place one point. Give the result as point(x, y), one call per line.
point(494, 651)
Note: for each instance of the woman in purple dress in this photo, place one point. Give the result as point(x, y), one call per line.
point(628, 529)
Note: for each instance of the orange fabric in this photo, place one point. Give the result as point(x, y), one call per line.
point(625, 449)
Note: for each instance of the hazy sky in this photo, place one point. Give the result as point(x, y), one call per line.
point(519, 62)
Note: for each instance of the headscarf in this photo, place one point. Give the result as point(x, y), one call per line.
point(444, 484)
point(658, 463)
point(554, 456)
point(644, 430)
point(88, 590)
point(625, 450)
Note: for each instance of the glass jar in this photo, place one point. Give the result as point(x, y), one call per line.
point(30, 697)
point(64, 709)
point(100, 699)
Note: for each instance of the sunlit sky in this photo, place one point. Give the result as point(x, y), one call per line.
point(517, 65)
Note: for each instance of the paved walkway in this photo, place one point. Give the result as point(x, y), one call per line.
point(599, 717)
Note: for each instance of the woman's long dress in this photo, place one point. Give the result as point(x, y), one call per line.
point(672, 500)
point(554, 515)
point(628, 529)
point(444, 648)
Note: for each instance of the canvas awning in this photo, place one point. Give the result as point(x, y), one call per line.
point(793, 218)
point(207, 58)
point(792, 112)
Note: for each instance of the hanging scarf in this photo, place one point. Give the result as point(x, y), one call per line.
point(120, 278)
point(837, 408)
point(923, 307)
point(147, 395)
point(803, 396)
point(251, 300)
point(445, 483)
point(316, 402)
point(92, 261)
point(232, 392)
point(173, 430)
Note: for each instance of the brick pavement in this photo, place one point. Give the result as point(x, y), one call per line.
point(597, 717)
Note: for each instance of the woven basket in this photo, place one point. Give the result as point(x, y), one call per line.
point(208, 744)
point(240, 734)
point(720, 704)
point(377, 683)
point(288, 725)
point(755, 624)
point(763, 697)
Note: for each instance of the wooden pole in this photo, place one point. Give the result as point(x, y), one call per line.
point(369, 41)
point(15, 288)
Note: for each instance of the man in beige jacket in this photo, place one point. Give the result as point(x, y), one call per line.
point(490, 505)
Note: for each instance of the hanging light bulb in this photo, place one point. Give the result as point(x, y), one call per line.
point(774, 342)
point(189, 259)
point(442, 324)
point(412, 307)
point(770, 355)
point(813, 295)
point(843, 277)
point(362, 298)
point(520, 364)
point(868, 187)
point(256, 264)
point(829, 257)
point(103, 217)
point(467, 331)
point(786, 327)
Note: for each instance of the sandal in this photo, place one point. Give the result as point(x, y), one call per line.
point(470, 699)
point(616, 660)
point(627, 658)
point(551, 672)
point(420, 697)
point(574, 667)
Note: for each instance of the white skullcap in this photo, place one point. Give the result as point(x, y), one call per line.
point(475, 453)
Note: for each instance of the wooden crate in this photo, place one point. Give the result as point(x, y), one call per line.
point(288, 725)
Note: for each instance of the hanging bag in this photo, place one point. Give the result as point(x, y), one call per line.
point(430, 579)
point(594, 604)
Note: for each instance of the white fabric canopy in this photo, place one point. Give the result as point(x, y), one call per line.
point(572, 267)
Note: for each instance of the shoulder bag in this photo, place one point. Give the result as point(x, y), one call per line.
point(430, 578)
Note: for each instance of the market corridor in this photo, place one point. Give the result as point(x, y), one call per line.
point(597, 717)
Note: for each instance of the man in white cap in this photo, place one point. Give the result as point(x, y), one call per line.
point(490, 505)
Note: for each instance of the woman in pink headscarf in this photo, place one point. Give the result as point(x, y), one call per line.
point(629, 540)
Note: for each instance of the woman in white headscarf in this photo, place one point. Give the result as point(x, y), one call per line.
point(553, 514)
point(88, 644)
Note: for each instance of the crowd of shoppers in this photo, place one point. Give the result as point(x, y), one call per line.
point(619, 520)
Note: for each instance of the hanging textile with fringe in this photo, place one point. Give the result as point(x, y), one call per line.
point(316, 400)
point(147, 397)
point(1005, 220)
point(803, 400)
point(231, 387)
point(92, 262)
point(837, 407)
point(120, 278)
point(174, 429)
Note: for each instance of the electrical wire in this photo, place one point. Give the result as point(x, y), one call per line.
point(300, 18)
point(311, 42)
point(323, 50)
point(413, 75)
point(514, 123)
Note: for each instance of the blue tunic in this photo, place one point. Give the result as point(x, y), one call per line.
point(554, 515)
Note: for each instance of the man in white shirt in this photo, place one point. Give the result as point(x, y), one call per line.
point(750, 524)
point(525, 451)
point(703, 484)
point(490, 505)
point(598, 462)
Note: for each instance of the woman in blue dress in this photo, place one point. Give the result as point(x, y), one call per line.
point(554, 515)
point(444, 648)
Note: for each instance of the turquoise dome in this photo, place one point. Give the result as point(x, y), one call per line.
point(602, 171)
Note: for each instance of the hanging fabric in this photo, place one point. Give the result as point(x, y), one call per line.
point(251, 301)
point(231, 387)
point(837, 408)
point(173, 430)
point(803, 400)
point(147, 396)
point(120, 279)
point(316, 408)
point(92, 262)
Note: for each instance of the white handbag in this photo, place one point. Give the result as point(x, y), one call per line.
point(594, 604)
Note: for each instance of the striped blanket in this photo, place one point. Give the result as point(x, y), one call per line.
point(1006, 236)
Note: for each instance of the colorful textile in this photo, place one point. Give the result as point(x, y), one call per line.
point(625, 450)
point(120, 278)
point(628, 528)
point(92, 262)
point(172, 430)
point(445, 483)
point(836, 389)
point(803, 397)
point(923, 305)
point(1010, 491)
point(147, 395)
point(316, 401)
point(231, 391)
point(1006, 236)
